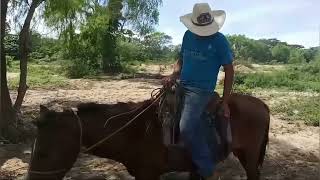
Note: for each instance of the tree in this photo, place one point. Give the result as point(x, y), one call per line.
point(106, 21)
point(249, 49)
point(281, 53)
point(24, 39)
point(296, 56)
point(156, 44)
point(9, 113)
point(310, 54)
point(11, 45)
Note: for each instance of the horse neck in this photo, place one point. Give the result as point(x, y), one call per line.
point(94, 131)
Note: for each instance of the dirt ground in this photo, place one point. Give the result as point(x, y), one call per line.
point(292, 154)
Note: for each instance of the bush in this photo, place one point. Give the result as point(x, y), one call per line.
point(130, 51)
point(79, 68)
point(300, 78)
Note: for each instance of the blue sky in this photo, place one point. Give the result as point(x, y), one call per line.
point(293, 21)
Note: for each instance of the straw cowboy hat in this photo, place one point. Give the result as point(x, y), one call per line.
point(203, 21)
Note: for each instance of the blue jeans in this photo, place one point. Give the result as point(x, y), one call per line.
point(193, 129)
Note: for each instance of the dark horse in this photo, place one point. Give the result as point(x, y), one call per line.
point(139, 146)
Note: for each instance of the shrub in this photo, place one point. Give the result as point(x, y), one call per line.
point(79, 68)
point(301, 78)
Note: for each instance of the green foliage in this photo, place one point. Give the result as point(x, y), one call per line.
point(141, 15)
point(281, 53)
point(303, 108)
point(246, 49)
point(296, 56)
point(79, 68)
point(44, 49)
point(269, 51)
point(130, 51)
point(11, 45)
point(312, 54)
point(316, 57)
point(156, 45)
point(100, 26)
point(305, 77)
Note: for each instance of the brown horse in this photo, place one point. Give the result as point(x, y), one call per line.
point(139, 145)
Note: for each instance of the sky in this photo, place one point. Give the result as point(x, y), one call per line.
point(293, 21)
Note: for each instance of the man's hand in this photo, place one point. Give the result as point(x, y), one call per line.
point(168, 81)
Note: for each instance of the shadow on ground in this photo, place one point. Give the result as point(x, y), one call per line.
point(283, 162)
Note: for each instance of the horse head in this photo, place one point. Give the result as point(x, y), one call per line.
point(56, 146)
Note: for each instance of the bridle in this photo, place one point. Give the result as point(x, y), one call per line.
point(155, 98)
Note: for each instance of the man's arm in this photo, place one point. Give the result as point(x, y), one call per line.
point(228, 82)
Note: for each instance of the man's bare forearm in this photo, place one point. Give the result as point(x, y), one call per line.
point(228, 82)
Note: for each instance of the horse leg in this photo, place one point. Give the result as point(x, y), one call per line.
point(251, 167)
point(242, 158)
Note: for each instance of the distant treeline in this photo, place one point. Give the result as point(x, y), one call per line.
point(270, 51)
point(157, 46)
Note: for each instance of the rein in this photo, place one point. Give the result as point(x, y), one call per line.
point(126, 125)
point(154, 94)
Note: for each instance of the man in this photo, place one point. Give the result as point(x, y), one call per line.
point(204, 50)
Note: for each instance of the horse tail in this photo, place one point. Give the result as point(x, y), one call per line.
point(265, 139)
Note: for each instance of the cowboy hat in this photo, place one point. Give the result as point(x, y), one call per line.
point(203, 21)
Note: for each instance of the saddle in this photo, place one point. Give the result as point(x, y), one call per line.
point(219, 133)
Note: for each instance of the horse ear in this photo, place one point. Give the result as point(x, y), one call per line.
point(43, 109)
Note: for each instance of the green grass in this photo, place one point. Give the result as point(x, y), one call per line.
point(303, 108)
point(40, 76)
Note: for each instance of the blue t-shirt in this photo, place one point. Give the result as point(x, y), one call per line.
point(202, 58)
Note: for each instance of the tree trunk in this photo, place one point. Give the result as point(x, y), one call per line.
point(7, 113)
point(110, 60)
point(24, 39)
